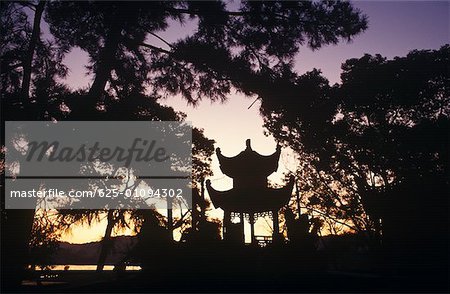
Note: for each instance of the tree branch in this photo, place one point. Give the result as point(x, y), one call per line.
point(329, 217)
point(194, 12)
point(161, 50)
point(161, 39)
point(180, 221)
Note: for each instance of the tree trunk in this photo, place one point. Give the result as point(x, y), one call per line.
point(28, 60)
point(106, 242)
point(194, 214)
point(105, 63)
point(202, 202)
point(297, 195)
point(15, 233)
point(169, 217)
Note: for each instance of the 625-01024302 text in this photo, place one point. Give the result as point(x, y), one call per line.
point(100, 193)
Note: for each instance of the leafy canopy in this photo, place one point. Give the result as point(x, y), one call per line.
point(229, 48)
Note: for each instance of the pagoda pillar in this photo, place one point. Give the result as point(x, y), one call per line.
point(276, 225)
point(252, 227)
point(226, 223)
point(241, 216)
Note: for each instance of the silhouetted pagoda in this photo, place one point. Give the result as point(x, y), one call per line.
point(250, 196)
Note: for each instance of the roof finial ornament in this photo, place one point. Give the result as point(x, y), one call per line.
point(248, 143)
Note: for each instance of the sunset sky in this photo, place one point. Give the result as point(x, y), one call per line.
point(395, 28)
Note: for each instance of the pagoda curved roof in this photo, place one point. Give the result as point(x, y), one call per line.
point(248, 162)
point(251, 200)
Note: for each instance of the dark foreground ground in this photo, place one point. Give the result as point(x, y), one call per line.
point(141, 282)
point(220, 268)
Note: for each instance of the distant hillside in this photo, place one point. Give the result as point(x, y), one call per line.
point(88, 253)
point(348, 245)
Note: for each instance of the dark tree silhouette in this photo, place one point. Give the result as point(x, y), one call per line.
point(30, 64)
point(44, 239)
point(229, 48)
point(21, 41)
point(29, 54)
point(136, 107)
point(379, 141)
point(15, 28)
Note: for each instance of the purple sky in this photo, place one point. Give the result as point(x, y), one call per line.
point(395, 28)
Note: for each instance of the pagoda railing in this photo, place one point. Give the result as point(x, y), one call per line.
point(263, 241)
